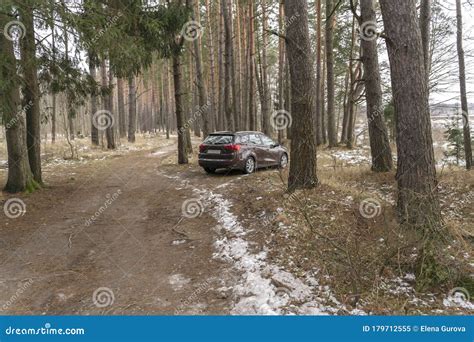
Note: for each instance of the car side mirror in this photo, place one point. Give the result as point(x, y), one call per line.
point(275, 145)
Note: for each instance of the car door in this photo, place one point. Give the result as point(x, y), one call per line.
point(271, 157)
point(256, 144)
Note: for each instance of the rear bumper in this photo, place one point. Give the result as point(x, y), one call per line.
point(220, 163)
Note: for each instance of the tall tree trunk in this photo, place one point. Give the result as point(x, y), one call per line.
point(105, 119)
point(418, 203)
point(251, 69)
point(355, 91)
point(20, 177)
point(425, 25)
point(53, 94)
point(212, 70)
point(303, 107)
point(31, 93)
point(121, 108)
point(345, 119)
point(379, 141)
point(331, 114)
point(182, 155)
point(132, 108)
point(281, 66)
point(265, 95)
point(201, 84)
point(228, 68)
point(244, 116)
point(319, 117)
point(70, 112)
point(94, 130)
point(167, 83)
point(462, 82)
point(350, 113)
point(323, 102)
point(221, 120)
point(238, 68)
point(110, 131)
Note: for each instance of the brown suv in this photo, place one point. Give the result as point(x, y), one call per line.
point(244, 151)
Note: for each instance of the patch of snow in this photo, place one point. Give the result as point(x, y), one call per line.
point(264, 289)
point(458, 300)
point(178, 281)
point(352, 157)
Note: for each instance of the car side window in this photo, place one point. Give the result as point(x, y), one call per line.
point(242, 139)
point(267, 141)
point(255, 139)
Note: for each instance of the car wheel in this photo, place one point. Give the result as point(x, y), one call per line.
point(283, 161)
point(249, 165)
point(209, 170)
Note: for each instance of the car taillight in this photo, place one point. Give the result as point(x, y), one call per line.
point(202, 148)
point(233, 147)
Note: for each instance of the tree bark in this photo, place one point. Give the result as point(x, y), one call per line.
point(418, 203)
point(53, 94)
point(31, 93)
point(132, 108)
point(110, 131)
point(425, 26)
point(379, 141)
point(319, 117)
point(303, 107)
point(20, 177)
point(251, 69)
point(331, 115)
point(281, 66)
point(94, 130)
point(228, 68)
point(221, 120)
point(182, 155)
point(204, 102)
point(462, 82)
point(265, 89)
point(121, 108)
point(212, 70)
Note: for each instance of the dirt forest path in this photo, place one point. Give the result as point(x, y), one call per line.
point(112, 239)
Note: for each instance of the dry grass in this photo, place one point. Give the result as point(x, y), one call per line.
point(369, 263)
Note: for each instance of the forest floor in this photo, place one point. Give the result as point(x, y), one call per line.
point(131, 232)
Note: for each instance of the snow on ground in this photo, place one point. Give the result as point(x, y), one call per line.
point(351, 157)
point(264, 289)
point(177, 281)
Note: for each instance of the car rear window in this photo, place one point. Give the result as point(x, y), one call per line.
point(219, 139)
